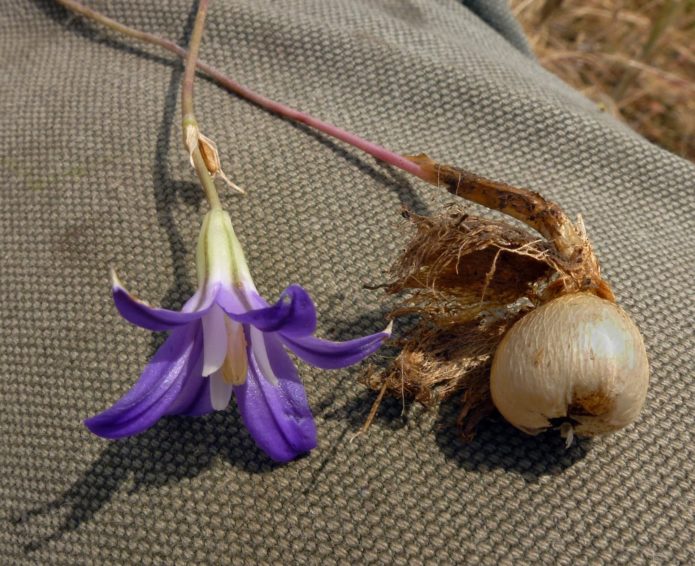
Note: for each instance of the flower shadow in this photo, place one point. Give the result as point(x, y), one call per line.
point(175, 449)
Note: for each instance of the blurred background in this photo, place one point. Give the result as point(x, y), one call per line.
point(634, 58)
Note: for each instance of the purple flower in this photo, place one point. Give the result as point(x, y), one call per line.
point(228, 339)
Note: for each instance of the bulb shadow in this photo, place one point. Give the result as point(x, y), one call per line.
point(174, 449)
point(392, 414)
point(341, 404)
point(498, 445)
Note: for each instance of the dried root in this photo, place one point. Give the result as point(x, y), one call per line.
point(467, 280)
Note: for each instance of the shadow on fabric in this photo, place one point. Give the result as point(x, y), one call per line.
point(174, 449)
point(76, 24)
point(390, 177)
point(497, 444)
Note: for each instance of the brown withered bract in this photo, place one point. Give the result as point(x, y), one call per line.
point(208, 149)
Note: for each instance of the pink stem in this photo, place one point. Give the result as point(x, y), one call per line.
point(354, 140)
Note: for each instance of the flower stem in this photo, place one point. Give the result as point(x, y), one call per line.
point(230, 84)
point(188, 117)
point(188, 122)
point(191, 58)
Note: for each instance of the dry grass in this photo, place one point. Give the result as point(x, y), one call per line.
point(635, 58)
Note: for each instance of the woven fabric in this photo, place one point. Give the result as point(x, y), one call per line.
point(94, 175)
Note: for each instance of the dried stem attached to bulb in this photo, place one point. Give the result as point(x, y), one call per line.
point(572, 249)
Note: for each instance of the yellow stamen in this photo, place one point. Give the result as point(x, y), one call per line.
point(235, 365)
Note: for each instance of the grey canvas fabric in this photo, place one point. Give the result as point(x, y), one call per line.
point(94, 176)
point(497, 15)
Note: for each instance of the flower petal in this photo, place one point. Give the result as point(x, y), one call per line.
point(220, 391)
point(194, 398)
point(332, 355)
point(260, 354)
point(229, 298)
point(141, 314)
point(159, 388)
point(215, 340)
point(294, 313)
point(278, 417)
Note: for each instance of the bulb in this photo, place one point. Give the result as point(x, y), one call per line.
point(577, 362)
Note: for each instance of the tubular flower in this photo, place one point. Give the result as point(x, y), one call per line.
point(228, 340)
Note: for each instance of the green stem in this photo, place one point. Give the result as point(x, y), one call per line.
point(188, 117)
point(188, 122)
point(191, 58)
